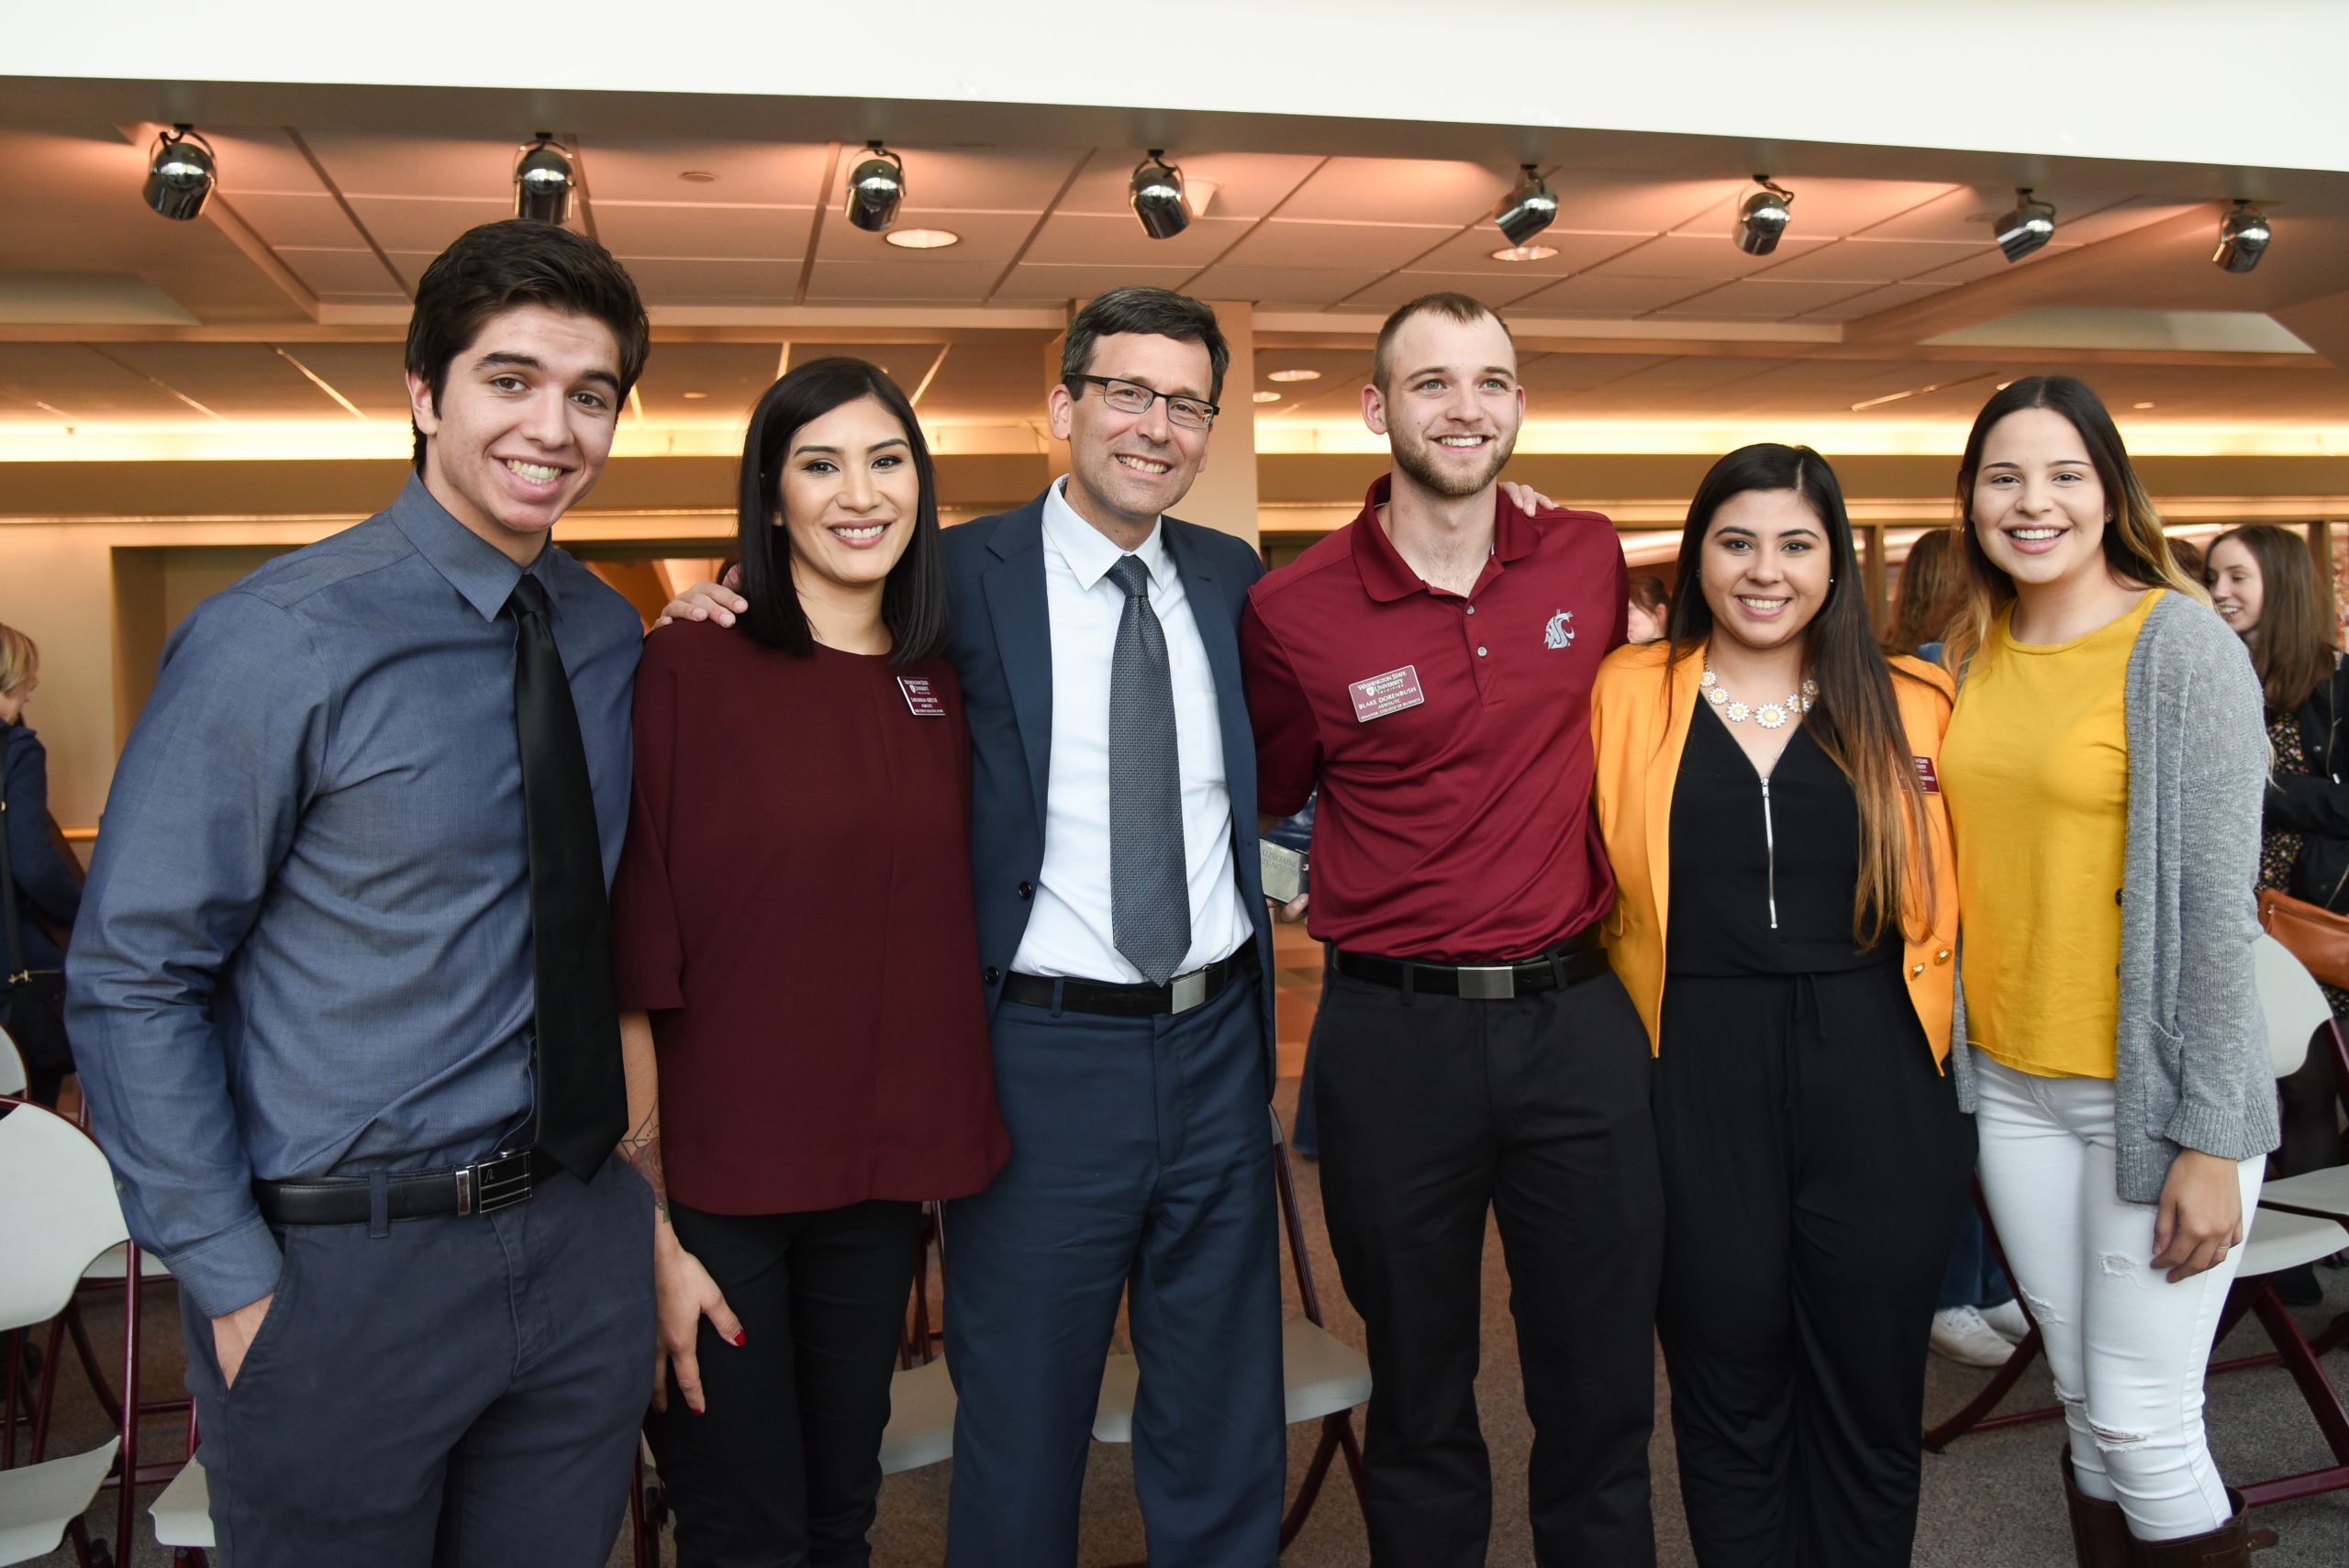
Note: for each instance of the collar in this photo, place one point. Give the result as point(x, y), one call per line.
point(1387, 576)
point(1088, 551)
point(482, 574)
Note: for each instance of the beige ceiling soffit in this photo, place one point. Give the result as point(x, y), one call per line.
point(1043, 218)
point(935, 366)
point(816, 230)
point(323, 384)
point(1269, 213)
point(326, 182)
point(224, 217)
point(2043, 282)
point(157, 383)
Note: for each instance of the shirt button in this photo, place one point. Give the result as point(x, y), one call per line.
point(1472, 609)
point(992, 974)
point(1027, 890)
point(1480, 653)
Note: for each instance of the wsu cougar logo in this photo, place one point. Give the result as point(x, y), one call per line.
point(1560, 632)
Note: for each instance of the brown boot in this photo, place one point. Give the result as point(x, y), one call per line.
point(2099, 1533)
point(2229, 1546)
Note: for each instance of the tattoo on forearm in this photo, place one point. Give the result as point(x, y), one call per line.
point(641, 1148)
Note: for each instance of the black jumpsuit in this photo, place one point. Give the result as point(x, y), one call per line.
point(1815, 1163)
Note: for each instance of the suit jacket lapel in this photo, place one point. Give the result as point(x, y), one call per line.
point(1023, 635)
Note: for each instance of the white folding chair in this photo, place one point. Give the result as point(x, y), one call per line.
point(58, 1210)
point(14, 1080)
point(1322, 1377)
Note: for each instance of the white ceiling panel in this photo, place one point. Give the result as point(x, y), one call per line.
point(972, 179)
point(652, 170)
point(1312, 287)
point(1875, 301)
point(731, 377)
point(367, 373)
point(365, 164)
point(234, 380)
point(1249, 184)
point(2120, 218)
point(1400, 190)
point(1495, 289)
point(1988, 262)
point(1872, 260)
point(922, 281)
point(341, 272)
point(992, 237)
point(426, 224)
point(1698, 256)
point(1762, 299)
point(316, 220)
point(82, 384)
point(1034, 283)
point(1825, 208)
point(1561, 373)
point(1601, 295)
point(1472, 252)
point(1599, 202)
point(730, 232)
point(259, 159)
point(1117, 239)
point(671, 281)
point(1284, 242)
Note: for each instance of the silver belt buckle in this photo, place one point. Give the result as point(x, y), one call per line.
point(494, 1184)
point(1188, 991)
point(1488, 982)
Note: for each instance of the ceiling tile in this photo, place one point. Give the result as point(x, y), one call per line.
point(1761, 299)
point(647, 169)
point(316, 220)
point(1825, 208)
point(340, 272)
point(671, 281)
point(990, 237)
point(233, 380)
point(1604, 202)
point(1987, 261)
point(1117, 239)
point(1284, 242)
point(1033, 282)
point(1472, 252)
point(1248, 183)
point(1698, 256)
point(1874, 301)
point(1579, 371)
point(1310, 287)
point(259, 159)
point(696, 231)
point(912, 281)
point(369, 374)
point(1602, 296)
point(372, 165)
point(82, 384)
point(2137, 212)
point(1497, 289)
point(972, 179)
point(731, 377)
point(1872, 261)
point(1398, 189)
point(424, 224)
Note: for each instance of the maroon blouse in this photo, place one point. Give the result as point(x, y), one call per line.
point(793, 907)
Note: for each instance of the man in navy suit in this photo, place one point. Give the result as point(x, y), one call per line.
point(1127, 957)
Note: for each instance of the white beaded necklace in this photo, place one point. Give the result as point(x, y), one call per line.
point(1769, 714)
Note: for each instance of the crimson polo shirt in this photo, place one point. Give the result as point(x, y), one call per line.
point(1457, 828)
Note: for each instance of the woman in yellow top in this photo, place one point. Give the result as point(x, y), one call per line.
point(1768, 778)
point(2105, 768)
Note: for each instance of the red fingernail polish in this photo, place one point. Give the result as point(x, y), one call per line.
point(741, 1336)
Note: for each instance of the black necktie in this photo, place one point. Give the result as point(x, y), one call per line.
point(583, 1095)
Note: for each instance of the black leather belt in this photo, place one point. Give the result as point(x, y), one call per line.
point(1570, 963)
point(1179, 994)
point(485, 1188)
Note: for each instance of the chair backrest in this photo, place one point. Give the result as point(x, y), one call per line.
point(57, 1212)
point(13, 1077)
point(2291, 999)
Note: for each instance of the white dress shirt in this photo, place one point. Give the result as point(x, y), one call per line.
point(1069, 932)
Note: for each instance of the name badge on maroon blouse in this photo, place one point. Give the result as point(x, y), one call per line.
point(1391, 692)
point(921, 696)
point(1927, 776)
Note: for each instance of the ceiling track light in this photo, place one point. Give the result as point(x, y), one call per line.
point(876, 189)
point(181, 173)
point(1527, 210)
point(2030, 226)
point(543, 181)
point(1764, 217)
point(2243, 238)
point(1158, 196)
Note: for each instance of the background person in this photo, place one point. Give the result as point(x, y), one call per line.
point(796, 950)
point(1649, 610)
point(2108, 734)
point(46, 878)
point(1762, 779)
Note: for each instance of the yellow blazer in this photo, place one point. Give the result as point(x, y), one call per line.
point(1639, 738)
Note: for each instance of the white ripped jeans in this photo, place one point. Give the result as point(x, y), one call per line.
point(2127, 1348)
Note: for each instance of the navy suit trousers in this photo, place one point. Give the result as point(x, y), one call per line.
point(1141, 1153)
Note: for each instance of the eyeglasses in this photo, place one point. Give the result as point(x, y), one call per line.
point(1130, 398)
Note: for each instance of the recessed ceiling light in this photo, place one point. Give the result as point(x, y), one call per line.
point(694, 397)
point(2140, 405)
point(1266, 397)
point(1293, 375)
point(1525, 253)
point(697, 177)
point(922, 239)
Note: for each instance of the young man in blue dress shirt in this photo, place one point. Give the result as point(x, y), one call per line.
point(337, 976)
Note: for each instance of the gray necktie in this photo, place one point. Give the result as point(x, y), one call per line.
point(1150, 897)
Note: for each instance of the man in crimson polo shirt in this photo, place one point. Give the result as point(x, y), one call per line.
point(1429, 667)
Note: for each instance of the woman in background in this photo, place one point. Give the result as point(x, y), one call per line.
point(2104, 771)
point(47, 879)
point(1650, 609)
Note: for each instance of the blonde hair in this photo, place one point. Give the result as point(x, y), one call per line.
point(19, 659)
point(2136, 548)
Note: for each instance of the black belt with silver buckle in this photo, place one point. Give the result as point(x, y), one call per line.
point(500, 1182)
point(1179, 994)
point(1570, 963)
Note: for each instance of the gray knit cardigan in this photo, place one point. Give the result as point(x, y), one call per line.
point(2191, 1064)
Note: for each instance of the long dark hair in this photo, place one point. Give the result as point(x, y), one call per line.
point(1856, 720)
point(2135, 548)
point(2292, 645)
point(913, 599)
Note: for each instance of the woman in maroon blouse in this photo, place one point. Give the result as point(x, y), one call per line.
point(798, 968)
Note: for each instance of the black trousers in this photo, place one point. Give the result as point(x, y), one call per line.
point(1434, 1109)
point(1815, 1163)
point(783, 1467)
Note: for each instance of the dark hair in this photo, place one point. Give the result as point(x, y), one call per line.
point(513, 262)
point(1153, 313)
point(1856, 720)
point(1460, 307)
point(2191, 558)
point(1930, 581)
point(1648, 591)
point(913, 598)
point(2292, 645)
point(2135, 548)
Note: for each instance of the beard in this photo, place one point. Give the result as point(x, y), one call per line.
point(1415, 455)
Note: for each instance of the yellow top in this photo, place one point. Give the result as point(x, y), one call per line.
point(2036, 767)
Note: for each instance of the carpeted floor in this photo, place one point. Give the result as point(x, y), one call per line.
point(1989, 1502)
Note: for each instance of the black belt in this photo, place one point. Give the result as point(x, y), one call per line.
point(1180, 995)
point(494, 1184)
point(1570, 963)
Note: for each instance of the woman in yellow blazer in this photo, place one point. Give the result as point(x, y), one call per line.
point(1767, 778)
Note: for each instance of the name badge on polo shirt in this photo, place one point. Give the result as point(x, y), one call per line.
point(1382, 695)
point(1927, 776)
point(921, 696)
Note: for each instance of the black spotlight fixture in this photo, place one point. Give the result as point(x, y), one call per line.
point(2029, 227)
point(2243, 238)
point(1158, 197)
point(1527, 210)
point(1764, 217)
point(181, 173)
point(876, 188)
point(542, 182)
